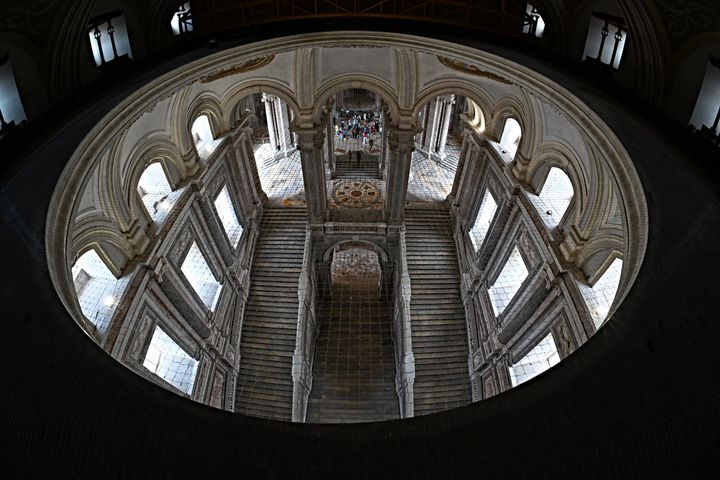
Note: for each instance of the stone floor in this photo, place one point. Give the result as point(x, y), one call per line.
point(281, 180)
point(430, 181)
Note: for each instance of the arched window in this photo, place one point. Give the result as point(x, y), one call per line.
point(109, 38)
point(706, 116)
point(543, 356)
point(554, 198)
point(510, 137)
point(154, 191)
point(533, 23)
point(202, 135)
point(169, 361)
point(605, 40)
point(511, 278)
point(599, 298)
point(228, 217)
point(97, 289)
point(11, 107)
point(483, 220)
point(198, 273)
point(181, 21)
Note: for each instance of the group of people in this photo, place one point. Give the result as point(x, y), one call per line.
point(358, 126)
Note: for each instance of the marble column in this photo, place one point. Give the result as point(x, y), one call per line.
point(311, 142)
point(444, 125)
point(270, 118)
point(401, 145)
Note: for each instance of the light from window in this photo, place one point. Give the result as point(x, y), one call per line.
point(200, 277)
point(511, 278)
point(97, 289)
point(11, 107)
point(202, 134)
point(510, 137)
point(483, 220)
point(182, 20)
point(109, 38)
point(707, 108)
point(599, 298)
point(154, 190)
point(226, 212)
point(606, 40)
point(554, 198)
point(169, 361)
point(533, 23)
point(537, 360)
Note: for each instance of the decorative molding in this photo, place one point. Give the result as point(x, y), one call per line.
point(463, 67)
point(249, 66)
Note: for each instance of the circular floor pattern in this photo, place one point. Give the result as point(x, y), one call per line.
point(356, 193)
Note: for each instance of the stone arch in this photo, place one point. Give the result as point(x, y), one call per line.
point(597, 255)
point(209, 105)
point(556, 154)
point(233, 96)
point(154, 150)
point(466, 88)
point(355, 80)
point(530, 121)
point(364, 243)
point(111, 245)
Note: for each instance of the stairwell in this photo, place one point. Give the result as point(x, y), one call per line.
point(439, 334)
point(265, 385)
point(367, 167)
point(354, 367)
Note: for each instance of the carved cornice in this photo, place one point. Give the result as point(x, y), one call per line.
point(249, 66)
point(472, 70)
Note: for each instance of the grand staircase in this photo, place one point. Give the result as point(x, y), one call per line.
point(354, 367)
point(265, 386)
point(366, 168)
point(439, 334)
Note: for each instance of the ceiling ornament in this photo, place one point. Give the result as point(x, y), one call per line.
point(249, 66)
point(472, 70)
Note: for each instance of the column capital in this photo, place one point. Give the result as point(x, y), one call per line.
point(312, 138)
point(402, 139)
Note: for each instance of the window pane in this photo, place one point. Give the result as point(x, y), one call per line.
point(169, 361)
point(201, 278)
point(508, 282)
point(537, 360)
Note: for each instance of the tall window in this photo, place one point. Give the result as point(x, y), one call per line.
point(483, 220)
point(11, 107)
point(154, 191)
point(510, 137)
point(533, 23)
point(201, 278)
point(97, 289)
point(228, 218)
point(537, 360)
point(511, 278)
point(202, 135)
point(182, 20)
point(169, 361)
point(706, 116)
point(109, 38)
point(599, 298)
point(606, 40)
point(555, 197)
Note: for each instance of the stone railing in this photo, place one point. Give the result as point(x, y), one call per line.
point(402, 337)
point(307, 330)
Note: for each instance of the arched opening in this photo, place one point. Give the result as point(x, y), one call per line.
point(155, 192)
point(554, 198)
point(170, 362)
point(356, 159)
point(109, 40)
point(533, 23)
point(599, 298)
point(202, 135)
point(510, 139)
point(605, 41)
point(11, 106)
point(357, 380)
point(706, 115)
point(97, 289)
point(437, 147)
